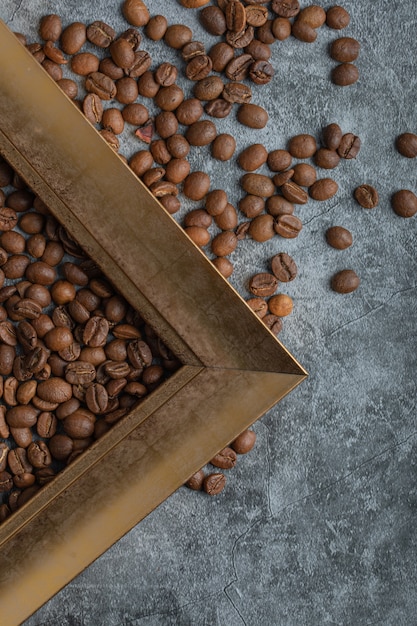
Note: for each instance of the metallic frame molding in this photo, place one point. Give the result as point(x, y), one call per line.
point(233, 369)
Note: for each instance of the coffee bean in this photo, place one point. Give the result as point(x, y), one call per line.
point(262, 228)
point(213, 20)
point(345, 49)
point(256, 15)
point(345, 281)
point(101, 85)
point(345, 74)
point(313, 15)
point(201, 133)
point(209, 88)
point(294, 193)
point(235, 15)
point(406, 145)
point(79, 424)
point(169, 98)
point(367, 196)
point(288, 226)
point(93, 108)
point(284, 267)
point(349, 146)
point(252, 115)
point(54, 390)
point(327, 159)
point(281, 28)
point(214, 484)
point(222, 148)
point(251, 205)
point(244, 442)
point(195, 482)
point(225, 459)
point(46, 425)
point(337, 18)
point(50, 27)
point(404, 203)
point(196, 185)
point(257, 185)
point(304, 174)
point(323, 189)
point(135, 12)
point(228, 219)
point(277, 205)
point(332, 136)
point(252, 157)
point(339, 237)
point(220, 54)
point(263, 285)
point(280, 305)
point(224, 243)
point(73, 38)
point(218, 108)
point(21, 416)
point(285, 8)
point(303, 31)
point(156, 28)
point(258, 50)
point(235, 92)
point(302, 146)
point(84, 63)
point(177, 35)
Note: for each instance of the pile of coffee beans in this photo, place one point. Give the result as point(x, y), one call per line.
point(75, 358)
point(123, 92)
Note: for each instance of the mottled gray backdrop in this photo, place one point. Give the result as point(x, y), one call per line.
point(317, 524)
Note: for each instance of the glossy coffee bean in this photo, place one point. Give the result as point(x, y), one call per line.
point(345, 281)
point(367, 196)
point(404, 203)
point(339, 237)
point(283, 267)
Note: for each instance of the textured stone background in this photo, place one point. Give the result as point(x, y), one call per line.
point(317, 524)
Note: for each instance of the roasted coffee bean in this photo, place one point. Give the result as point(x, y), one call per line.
point(294, 193)
point(93, 108)
point(23, 481)
point(261, 228)
point(38, 454)
point(256, 15)
point(228, 219)
point(127, 91)
point(225, 459)
point(258, 306)
point(198, 67)
point(209, 88)
point(327, 159)
point(406, 144)
point(235, 15)
point(213, 20)
point(339, 237)
point(214, 484)
point(282, 177)
point(139, 354)
point(50, 27)
point(263, 285)
point(367, 196)
point(284, 267)
point(8, 218)
point(345, 74)
point(196, 185)
point(345, 49)
point(252, 157)
point(244, 442)
point(404, 203)
point(218, 108)
point(279, 160)
point(251, 205)
point(224, 243)
point(237, 93)
point(280, 305)
point(156, 27)
point(169, 98)
point(252, 115)
point(220, 54)
point(198, 217)
point(96, 331)
point(201, 133)
point(73, 38)
point(177, 35)
point(54, 390)
point(302, 146)
point(100, 34)
point(242, 38)
point(96, 398)
point(345, 281)
point(54, 70)
point(147, 86)
point(224, 266)
point(7, 357)
point(189, 111)
point(84, 63)
point(46, 425)
point(304, 32)
point(337, 17)
point(238, 68)
point(258, 185)
point(304, 175)
point(278, 205)
point(223, 147)
point(216, 202)
point(285, 8)
point(313, 15)
point(323, 189)
point(195, 482)
point(258, 50)
point(6, 482)
point(21, 416)
point(166, 74)
point(80, 424)
point(349, 146)
point(288, 226)
point(135, 12)
point(273, 322)
point(101, 85)
point(261, 72)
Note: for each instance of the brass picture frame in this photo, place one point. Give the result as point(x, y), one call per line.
point(234, 369)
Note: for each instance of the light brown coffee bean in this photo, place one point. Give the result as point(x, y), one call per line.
point(288, 226)
point(135, 12)
point(302, 146)
point(252, 115)
point(323, 189)
point(54, 390)
point(258, 185)
point(278, 205)
point(262, 228)
point(337, 17)
point(156, 27)
point(196, 185)
point(223, 147)
point(224, 243)
point(332, 136)
point(73, 37)
point(213, 19)
point(252, 157)
point(294, 193)
point(281, 305)
point(244, 442)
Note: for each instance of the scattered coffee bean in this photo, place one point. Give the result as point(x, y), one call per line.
point(284, 267)
point(345, 281)
point(339, 237)
point(263, 285)
point(280, 305)
point(406, 145)
point(367, 196)
point(404, 203)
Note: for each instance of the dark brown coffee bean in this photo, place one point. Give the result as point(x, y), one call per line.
point(245, 441)
point(251, 205)
point(284, 267)
point(337, 17)
point(349, 146)
point(258, 185)
point(38, 454)
point(224, 243)
point(263, 285)
point(8, 218)
point(214, 484)
point(327, 159)
point(345, 49)
point(6, 482)
point(288, 226)
point(220, 54)
point(96, 331)
point(302, 146)
point(345, 74)
point(209, 88)
point(304, 175)
point(242, 38)
point(237, 93)
point(238, 68)
point(258, 50)
point(256, 15)
point(169, 98)
point(7, 357)
point(101, 85)
point(93, 108)
point(196, 185)
point(252, 115)
point(345, 281)
point(252, 157)
point(80, 373)
point(258, 306)
point(80, 424)
point(294, 193)
point(21, 416)
point(54, 70)
point(323, 189)
point(195, 482)
point(277, 205)
point(404, 203)
point(285, 8)
point(73, 38)
point(225, 459)
point(84, 63)
point(261, 72)
point(156, 28)
point(192, 50)
point(339, 237)
point(20, 200)
point(54, 390)
point(100, 34)
point(216, 202)
point(261, 228)
point(367, 196)
point(201, 133)
point(213, 20)
point(223, 147)
point(50, 27)
point(18, 462)
point(235, 16)
point(96, 398)
point(218, 108)
point(135, 12)
point(304, 32)
point(139, 354)
point(177, 35)
point(313, 15)
point(406, 145)
point(46, 425)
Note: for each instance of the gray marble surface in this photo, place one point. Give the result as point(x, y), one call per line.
point(317, 524)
